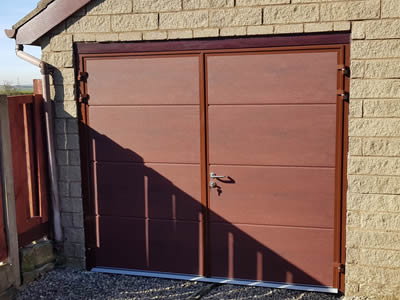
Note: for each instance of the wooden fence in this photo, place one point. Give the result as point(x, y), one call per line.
point(29, 165)
point(24, 189)
point(10, 255)
point(3, 240)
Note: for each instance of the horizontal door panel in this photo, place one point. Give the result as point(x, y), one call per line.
point(274, 195)
point(284, 135)
point(176, 247)
point(164, 246)
point(144, 80)
point(160, 191)
point(291, 255)
point(145, 134)
point(122, 243)
point(296, 77)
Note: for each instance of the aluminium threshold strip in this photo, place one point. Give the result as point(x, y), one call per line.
point(275, 285)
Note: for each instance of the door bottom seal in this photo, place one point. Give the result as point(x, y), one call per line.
point(276, 285)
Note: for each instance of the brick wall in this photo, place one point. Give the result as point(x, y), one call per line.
point(373, 225)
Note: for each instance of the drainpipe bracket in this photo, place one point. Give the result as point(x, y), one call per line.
point(46, 69)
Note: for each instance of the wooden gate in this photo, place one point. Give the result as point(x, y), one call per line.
point(23, 177)
point(29, 165)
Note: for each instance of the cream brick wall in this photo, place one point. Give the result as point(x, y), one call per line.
point(373, 201)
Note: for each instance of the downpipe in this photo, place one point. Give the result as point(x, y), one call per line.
point(48, 115)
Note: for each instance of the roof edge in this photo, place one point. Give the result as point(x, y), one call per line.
point(44, 18)
point(10, 33)
point(42, 5)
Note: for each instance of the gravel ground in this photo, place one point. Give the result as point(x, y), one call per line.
point(75, 284)
point(236, 292)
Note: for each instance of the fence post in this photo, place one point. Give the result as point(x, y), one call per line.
point(37, 87)
point(8, 187)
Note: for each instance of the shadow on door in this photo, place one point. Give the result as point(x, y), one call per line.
point(147, 221)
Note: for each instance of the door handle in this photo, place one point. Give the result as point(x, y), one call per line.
point(213, 175)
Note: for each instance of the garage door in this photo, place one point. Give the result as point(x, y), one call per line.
point(272, 133)
point(145, 161)
point(223, 164)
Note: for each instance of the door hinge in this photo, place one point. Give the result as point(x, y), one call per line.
point(84, 98)
point(344, 95)
point(83, 76)
point(341, 268)
point(345, 70)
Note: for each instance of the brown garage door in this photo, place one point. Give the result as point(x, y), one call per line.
point(145, 161)
point(272, 132)
point(269, 121)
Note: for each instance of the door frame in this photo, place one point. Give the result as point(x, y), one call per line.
point(202, 47)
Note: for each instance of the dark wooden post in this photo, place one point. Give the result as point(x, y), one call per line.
point(8, 188)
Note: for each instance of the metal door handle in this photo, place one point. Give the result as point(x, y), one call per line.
point(213, 175)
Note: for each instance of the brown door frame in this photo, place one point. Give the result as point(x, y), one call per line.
point(299, 43)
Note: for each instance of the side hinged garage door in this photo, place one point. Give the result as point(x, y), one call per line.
point(144, 158)
point(219, 163)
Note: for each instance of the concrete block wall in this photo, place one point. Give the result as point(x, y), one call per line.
point(373, 224)
point(36, 259)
